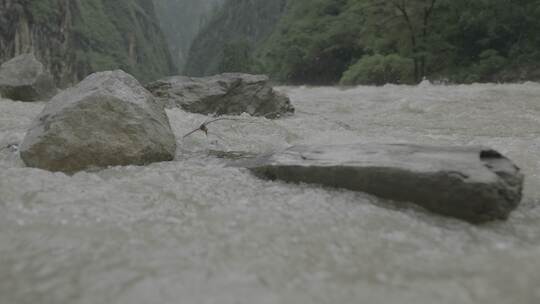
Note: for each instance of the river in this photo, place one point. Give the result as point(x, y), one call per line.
point(196, 231)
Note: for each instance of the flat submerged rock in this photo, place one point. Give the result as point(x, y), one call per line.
point(476, 184)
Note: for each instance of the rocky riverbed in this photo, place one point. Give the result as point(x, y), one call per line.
point(198, 231)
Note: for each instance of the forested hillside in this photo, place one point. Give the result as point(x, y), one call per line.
point(232, 35)
point(75, 38)
point(377, 42)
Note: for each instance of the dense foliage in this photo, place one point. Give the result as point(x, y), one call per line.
point(401, 41)
point(229, 39)
point(314, 42)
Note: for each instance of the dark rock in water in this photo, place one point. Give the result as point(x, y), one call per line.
point(225, 94)
point(24, 78)
point(108, 119)
point(470, 183)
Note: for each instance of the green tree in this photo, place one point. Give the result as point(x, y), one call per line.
point(405, 18)
point(379, 70)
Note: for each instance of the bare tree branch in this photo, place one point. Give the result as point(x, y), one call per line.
point(204, 126)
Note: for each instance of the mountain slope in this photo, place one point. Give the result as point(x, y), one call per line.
point(238, 27)
point(75, 38)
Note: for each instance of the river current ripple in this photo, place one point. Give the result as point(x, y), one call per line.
point(196, 231)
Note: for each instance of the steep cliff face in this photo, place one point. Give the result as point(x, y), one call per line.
point(236, 29)
point(76, 38)
point(181, 21)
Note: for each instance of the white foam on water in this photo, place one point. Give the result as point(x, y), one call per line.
point(196, 231)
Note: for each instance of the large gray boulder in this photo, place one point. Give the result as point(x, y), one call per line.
point(108, 119)
point(24, 78)
point(225, 94)
point(475, 184)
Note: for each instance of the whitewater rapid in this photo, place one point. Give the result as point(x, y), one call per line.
point(196, 231)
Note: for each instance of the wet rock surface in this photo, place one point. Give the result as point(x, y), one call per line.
point(224, 94)
point(108, 119)
point(24, 78)
point(475, 184)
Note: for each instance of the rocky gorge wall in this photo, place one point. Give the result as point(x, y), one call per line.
point(237, 28)
point(76, 38)
point(181, 21)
